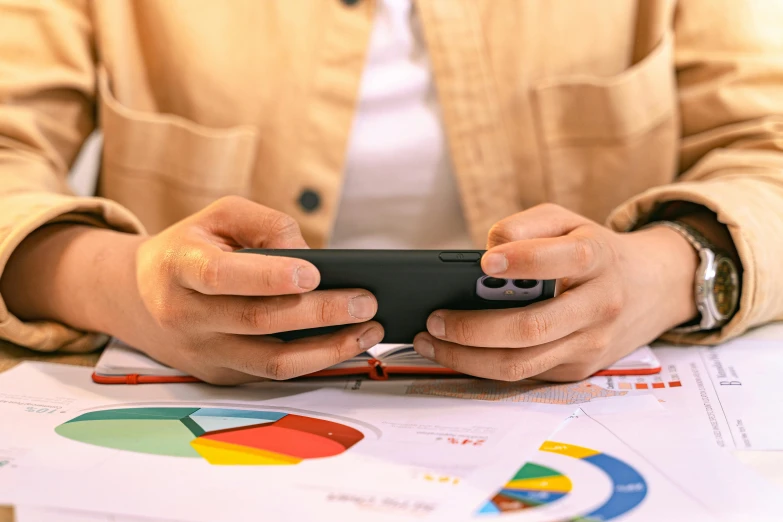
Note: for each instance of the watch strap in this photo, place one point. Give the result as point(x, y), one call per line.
point(693, 236)
point(688, 328)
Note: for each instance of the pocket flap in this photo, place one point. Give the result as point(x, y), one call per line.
point(607, 108)
point(174, 147)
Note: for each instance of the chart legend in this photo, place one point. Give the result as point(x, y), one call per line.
point(646, 383)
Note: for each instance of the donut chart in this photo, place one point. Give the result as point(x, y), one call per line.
point(221, 436)
point(535, 485)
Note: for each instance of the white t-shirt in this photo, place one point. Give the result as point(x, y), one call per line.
point(399, 190)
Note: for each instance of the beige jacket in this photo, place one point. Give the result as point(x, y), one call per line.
point(608, 108)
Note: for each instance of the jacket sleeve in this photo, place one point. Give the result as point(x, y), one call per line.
point(46, 112)
point(729, 62)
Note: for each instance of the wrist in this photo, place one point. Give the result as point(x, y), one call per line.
point(668, 263)
point(112, 298)
point(73, 274)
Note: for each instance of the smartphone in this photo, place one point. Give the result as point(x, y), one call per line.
point(411, 284)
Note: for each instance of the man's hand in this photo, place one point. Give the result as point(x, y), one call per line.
point(616, 292)
point(187, 299)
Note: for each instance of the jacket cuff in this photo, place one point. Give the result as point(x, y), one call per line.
point(737, 202)
point(24, 213)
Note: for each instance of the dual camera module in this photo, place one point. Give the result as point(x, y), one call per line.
point(498, 289)
point(495, 282)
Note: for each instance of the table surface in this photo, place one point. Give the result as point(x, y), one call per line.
point(768, 463)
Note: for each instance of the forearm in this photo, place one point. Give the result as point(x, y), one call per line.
point(71, 274)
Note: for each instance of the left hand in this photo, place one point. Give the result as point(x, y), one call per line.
point(616, 292)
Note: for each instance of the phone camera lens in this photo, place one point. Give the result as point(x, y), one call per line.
point(525, 283)
point(493, 282)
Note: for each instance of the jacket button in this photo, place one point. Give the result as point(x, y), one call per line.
point(309, 200)
point(350, 2)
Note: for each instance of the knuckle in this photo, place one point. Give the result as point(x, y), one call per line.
point(515, 369)
point(613, 306)
point(465, 332)
point(168, 261)
point(451, 358)
point(281, 367)
point(532, 328)
point(584, 252)
point(595, 344)
point(500, 233)
point(282, 224)
point(257, 316)
point(209, 272)
point(267, 278)
point(325, 310)
point(341, 349)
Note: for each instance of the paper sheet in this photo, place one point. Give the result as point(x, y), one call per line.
point(385, 455)
point(47, 514)
point(632, 467)
point(604, 466)
point(731, 390)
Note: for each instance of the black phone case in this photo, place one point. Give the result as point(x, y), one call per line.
point(408, 284)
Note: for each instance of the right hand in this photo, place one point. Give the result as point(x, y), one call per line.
point(209, 311)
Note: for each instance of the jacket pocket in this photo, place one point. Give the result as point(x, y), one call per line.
point(605, 139)
point(164, 167)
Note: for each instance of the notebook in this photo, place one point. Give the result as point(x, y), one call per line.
point(121, 364)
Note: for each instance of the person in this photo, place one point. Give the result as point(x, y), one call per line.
point(631, 150)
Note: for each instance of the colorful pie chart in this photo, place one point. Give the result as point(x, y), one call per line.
point(535, 485)
point(532, 486)
point(221, 436)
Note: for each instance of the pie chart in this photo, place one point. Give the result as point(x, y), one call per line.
point(532, 486)
point(221, 436)
point(535, 485)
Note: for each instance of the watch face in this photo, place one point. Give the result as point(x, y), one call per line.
point(725, 289)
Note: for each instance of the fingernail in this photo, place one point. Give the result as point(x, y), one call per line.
point(495, 263)
point(370, 338)
point(361, 307)
point(306, 277)
point(424, 348)
point(436, 326)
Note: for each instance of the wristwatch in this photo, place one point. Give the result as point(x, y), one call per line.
point(716, 286)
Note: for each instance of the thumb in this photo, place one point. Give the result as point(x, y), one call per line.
point(248, 224)
point(542, 221)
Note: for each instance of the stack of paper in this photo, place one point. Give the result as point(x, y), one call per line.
point(609, 448)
